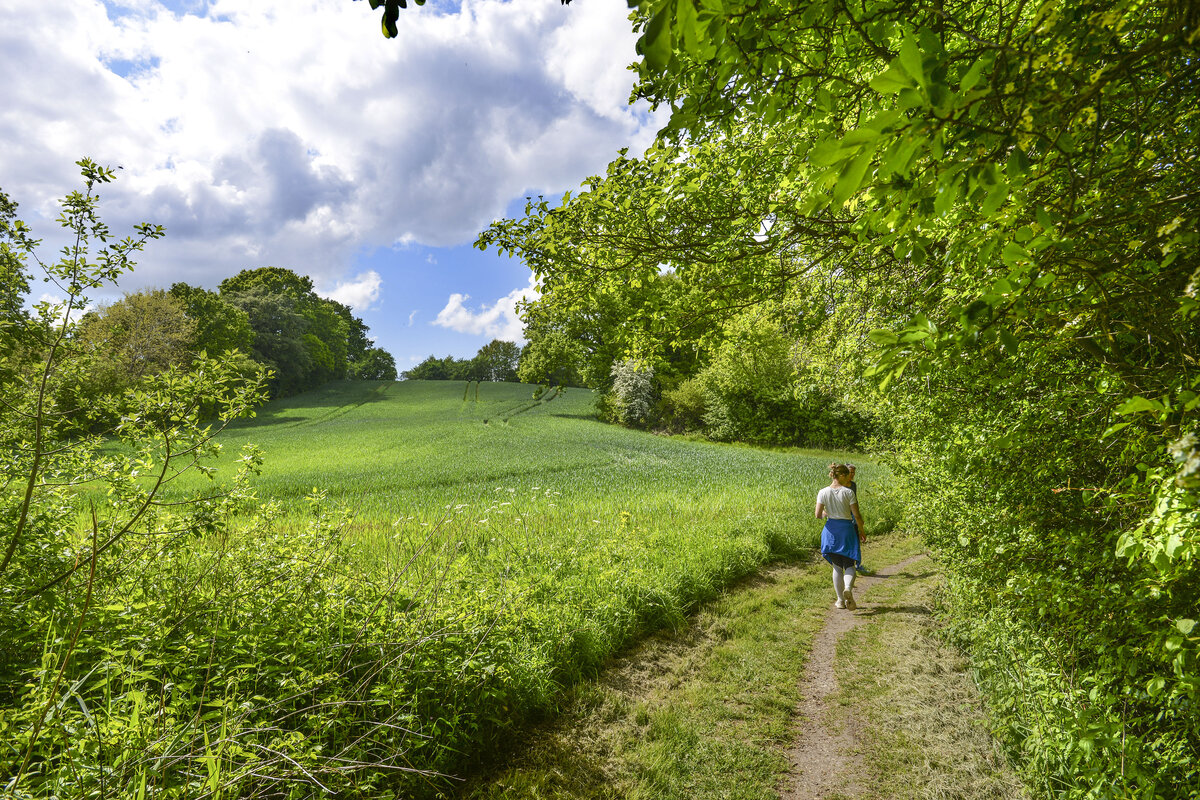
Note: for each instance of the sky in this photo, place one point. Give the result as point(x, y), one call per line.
point(291, 133)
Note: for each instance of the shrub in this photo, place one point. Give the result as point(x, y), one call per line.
point(682, 407)
point(632, 392)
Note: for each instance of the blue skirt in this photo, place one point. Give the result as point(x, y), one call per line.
point(840, 537)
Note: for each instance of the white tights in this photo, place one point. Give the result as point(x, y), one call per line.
point(843, 580)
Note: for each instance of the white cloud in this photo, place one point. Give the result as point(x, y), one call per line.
point(360, 294)
point(497, 321)
point(290, 132)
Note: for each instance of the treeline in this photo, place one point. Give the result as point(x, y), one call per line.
point(978, 227)
point(496, 361)
point(749, 376)
point(270, 317)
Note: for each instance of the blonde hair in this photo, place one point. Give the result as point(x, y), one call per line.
point(837, 471)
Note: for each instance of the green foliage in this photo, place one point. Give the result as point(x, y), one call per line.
point(304, 339)
point(126, 342)
point(998, 201)
point(551, 359)
point(497, 361)
point(220, 326)
point(440, 369)
point(684, 406)
point(58, 577)
point(279, 329)
point(374, 364)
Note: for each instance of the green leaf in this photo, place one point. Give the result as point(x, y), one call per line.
point(1043, 218)
point(974, 73)
point(900, 154)
point(1136, 405)
point(910, 59)
point(826, 153)
point(912, 98)
point(1012, 253)
point(995, 198)
point(655, 43)
point(860, 135)
point(1018, 164)
point(1009, 341)
point(1174, 545)
point(1111, 429)
point(687, 24)
point(852, 176)
point(891, 80)
point(1185, 626)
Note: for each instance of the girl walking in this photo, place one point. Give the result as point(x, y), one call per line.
point(843, 532)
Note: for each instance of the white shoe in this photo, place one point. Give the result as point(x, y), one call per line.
point(850, 604)
point(840, 604)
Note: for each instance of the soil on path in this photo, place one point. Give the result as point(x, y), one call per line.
point(823, 759)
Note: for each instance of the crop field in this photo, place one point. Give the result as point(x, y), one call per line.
point(393, 450)
point(435, 563)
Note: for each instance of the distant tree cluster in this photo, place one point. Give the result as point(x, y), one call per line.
point(270, 317)
point(495, 361)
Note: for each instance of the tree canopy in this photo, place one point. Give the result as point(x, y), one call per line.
point(978, 221)
point(496, 361)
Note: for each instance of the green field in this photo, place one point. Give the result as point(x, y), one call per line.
point(466, 554)
point(391, 450)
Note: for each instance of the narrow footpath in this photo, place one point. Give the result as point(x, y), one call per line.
point(824, 759)
point(770, 692)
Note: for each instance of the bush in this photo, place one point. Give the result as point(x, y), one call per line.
point(755, 392)
point(682, 407)
point(632, 392)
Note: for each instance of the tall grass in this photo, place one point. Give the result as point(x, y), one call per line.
point(430, 573)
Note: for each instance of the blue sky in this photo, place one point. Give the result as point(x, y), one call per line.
point(290, 133)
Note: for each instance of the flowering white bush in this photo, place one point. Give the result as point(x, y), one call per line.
point(633, 391)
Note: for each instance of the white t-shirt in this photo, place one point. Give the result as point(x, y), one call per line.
point(837, 501)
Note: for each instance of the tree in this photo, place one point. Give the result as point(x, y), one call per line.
point(142, 334)
point(440, 369)
point(358, 344)
point(279, 330)
point(497, 361)
point(309, 340)
point(550, 359)
point(14, 283)
point(376, 364)
point(269, 280)
point(220, 326)
point(632, 392)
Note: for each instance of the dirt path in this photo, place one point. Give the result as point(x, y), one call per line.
point(823, 758)
point(750, 700)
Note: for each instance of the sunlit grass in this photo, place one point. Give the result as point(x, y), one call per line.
point(451, 560)
point(391, 451)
